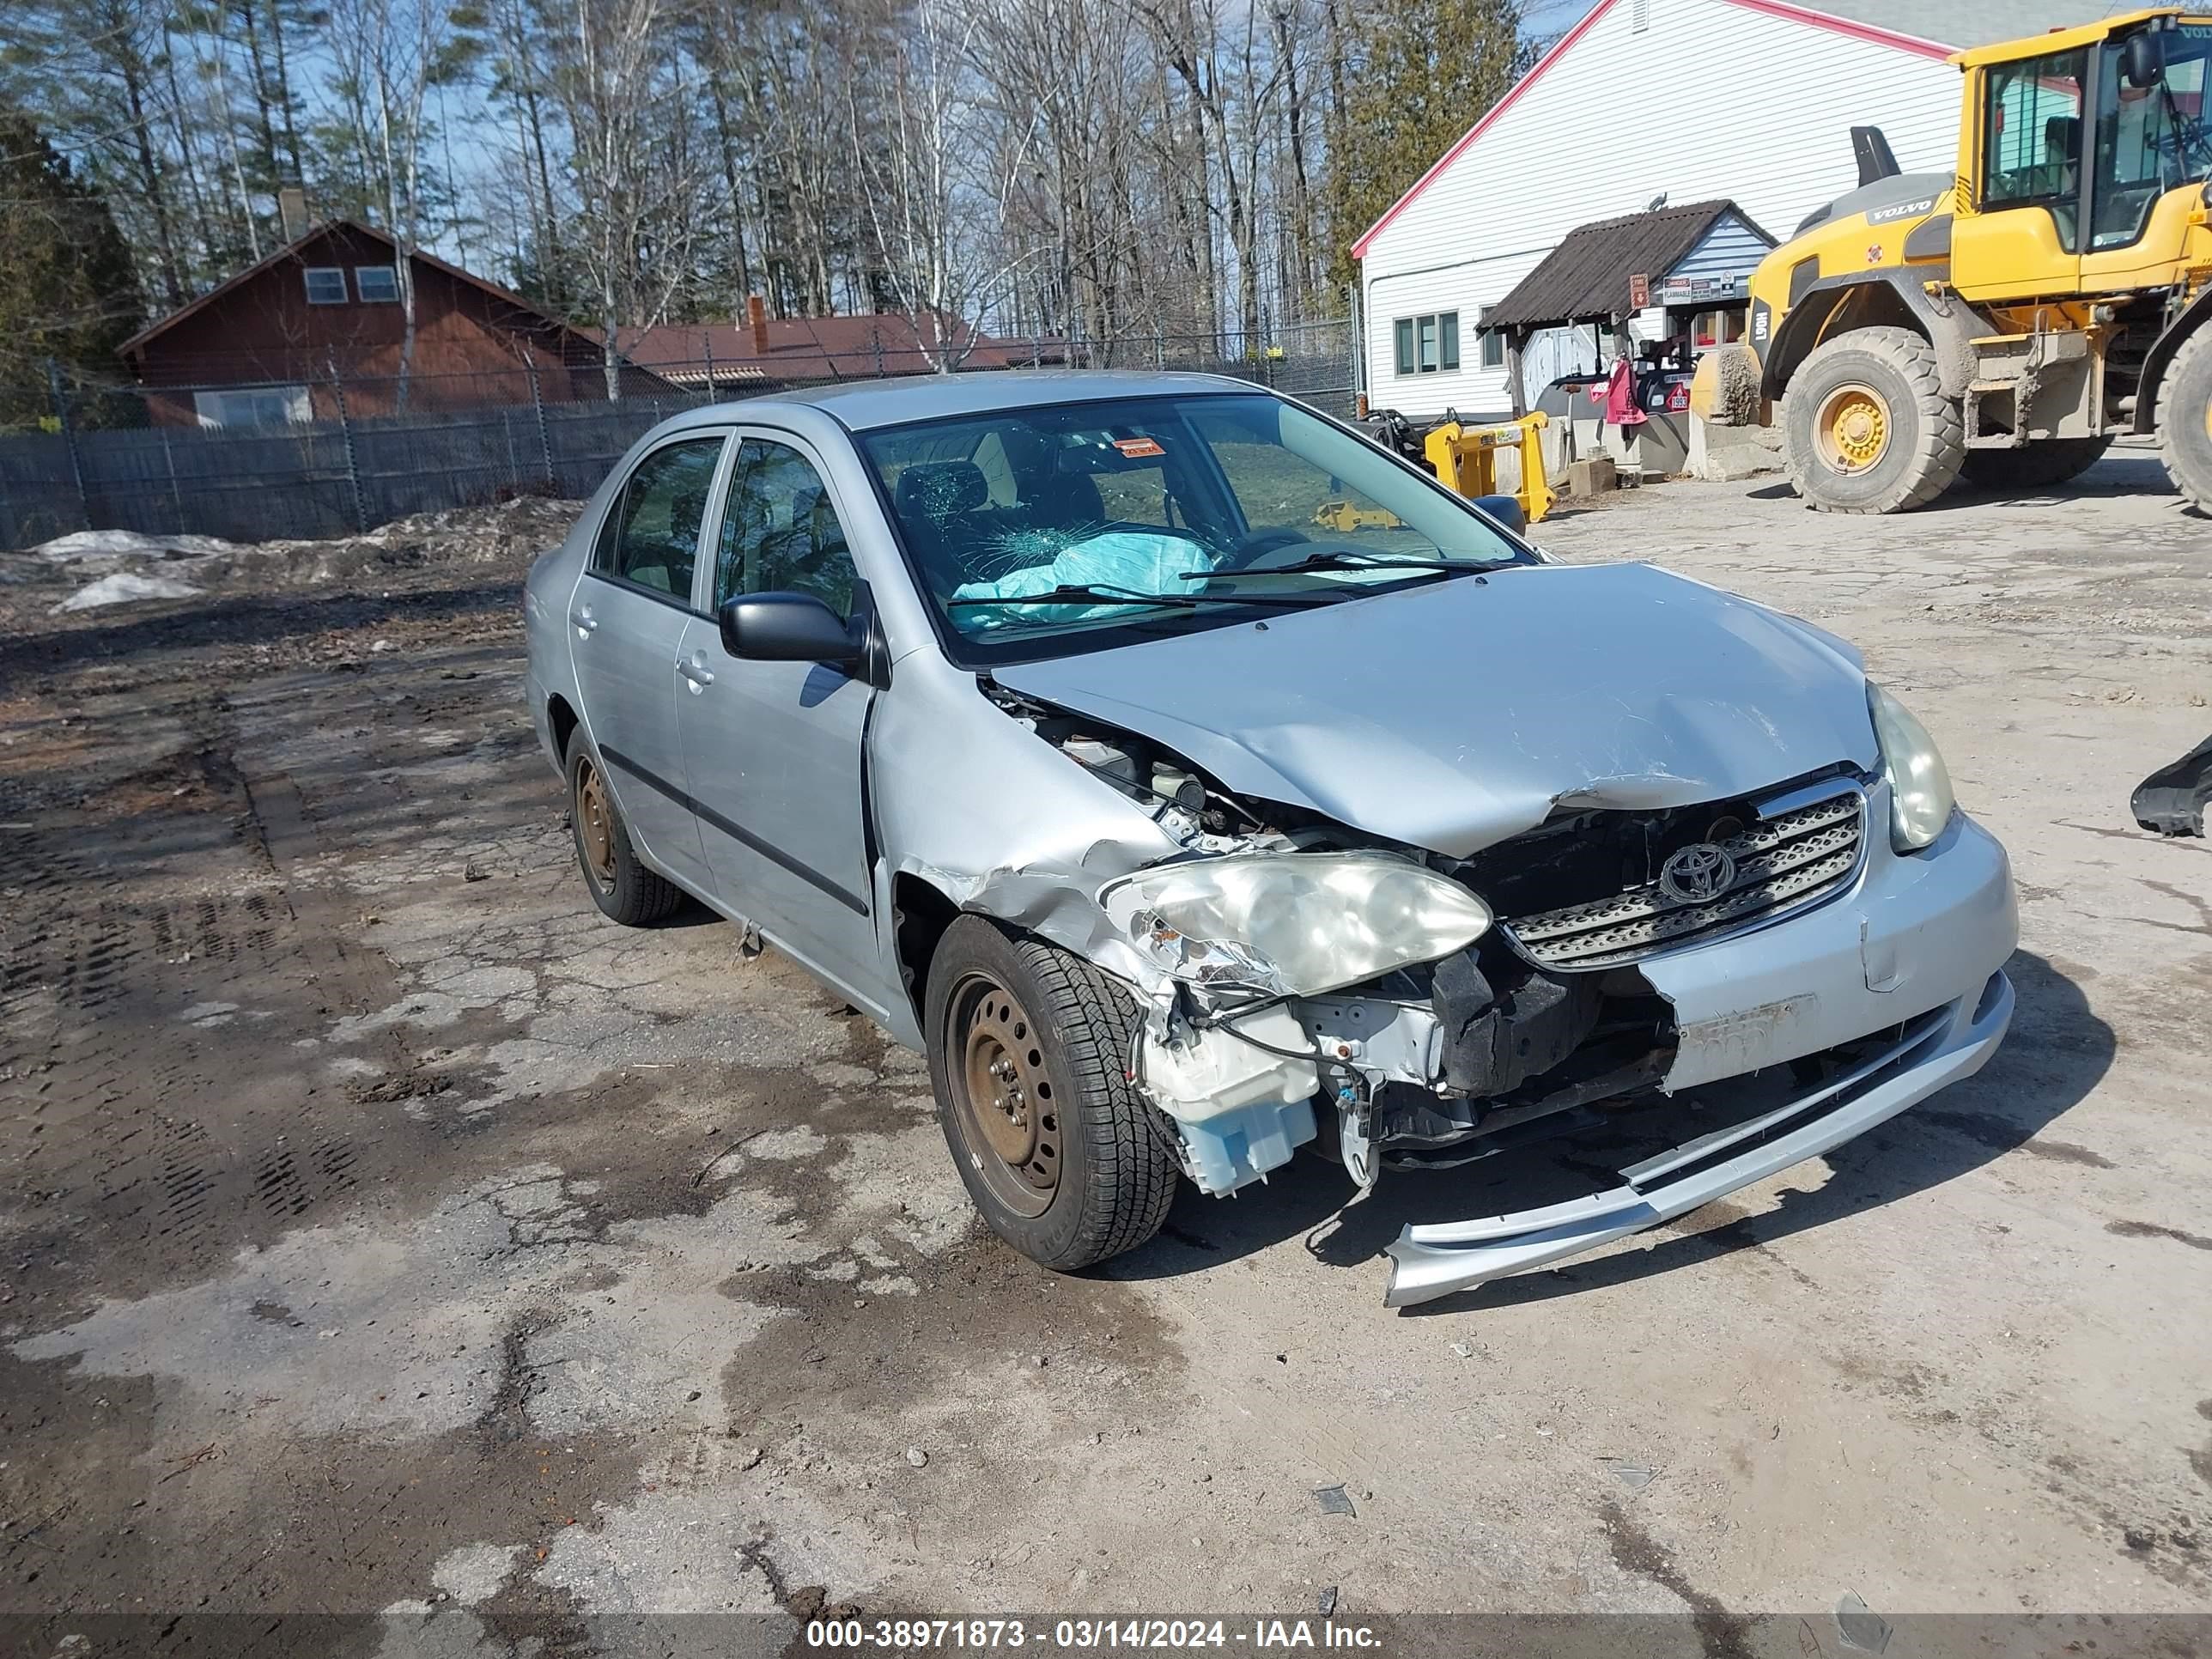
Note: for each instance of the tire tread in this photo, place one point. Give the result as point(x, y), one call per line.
point(1940, 447)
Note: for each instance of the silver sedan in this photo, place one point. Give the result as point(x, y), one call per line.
point(1196, 781)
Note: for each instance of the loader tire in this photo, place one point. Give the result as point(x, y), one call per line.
point(2033, 467)
point(1866, 427)
point(2184, 420)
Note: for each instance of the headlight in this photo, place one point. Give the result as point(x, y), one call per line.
point(1293, 924)
point(1920, 799)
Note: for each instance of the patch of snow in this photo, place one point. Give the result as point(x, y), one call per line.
point(125, 588)
point(128, 544)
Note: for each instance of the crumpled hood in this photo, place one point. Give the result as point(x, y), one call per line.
point(1451, 716)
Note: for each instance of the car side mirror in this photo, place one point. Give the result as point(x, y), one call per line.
point(1505, 509)
point(2145, 60)
point(787, 627)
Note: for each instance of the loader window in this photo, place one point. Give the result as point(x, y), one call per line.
point(2032, 138)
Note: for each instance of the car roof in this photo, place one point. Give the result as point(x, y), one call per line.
point(860, 405)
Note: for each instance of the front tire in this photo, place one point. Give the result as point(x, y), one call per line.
point(2041, 465)
point(2184, 420)
point(623, 888)
point(1028, 1053)
point(1867, 428)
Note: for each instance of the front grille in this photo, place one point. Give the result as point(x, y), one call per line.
point(1784, 862)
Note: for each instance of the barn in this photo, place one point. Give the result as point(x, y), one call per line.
point(271, 346)
point(1644, 103)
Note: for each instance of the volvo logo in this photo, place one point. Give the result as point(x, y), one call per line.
point(1697, 873)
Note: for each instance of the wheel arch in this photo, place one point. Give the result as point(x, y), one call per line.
point(1836, 305)
point(2175, 334)
point(921, 913)
point(560, 721)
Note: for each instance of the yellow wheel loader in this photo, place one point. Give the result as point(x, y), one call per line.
point(2007, 322)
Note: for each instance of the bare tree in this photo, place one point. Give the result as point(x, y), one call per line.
point(640, 193)
point(391, 53)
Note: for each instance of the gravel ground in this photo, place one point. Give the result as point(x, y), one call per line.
point(385, 1237)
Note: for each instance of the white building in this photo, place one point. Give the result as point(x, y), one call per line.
point(1750, 100)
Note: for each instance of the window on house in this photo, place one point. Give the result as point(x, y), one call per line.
point(377, 285)
point(1427, 345)
point(326, 285)
point(1492, 342)
point(253, 405)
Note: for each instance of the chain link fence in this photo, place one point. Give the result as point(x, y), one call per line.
point(262, 461)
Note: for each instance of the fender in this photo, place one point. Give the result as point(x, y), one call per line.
point(2160, 357)
point(1949, 324)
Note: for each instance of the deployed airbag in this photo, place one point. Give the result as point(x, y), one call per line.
point(1141, 562)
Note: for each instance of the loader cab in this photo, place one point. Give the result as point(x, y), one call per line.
point(2084, 152)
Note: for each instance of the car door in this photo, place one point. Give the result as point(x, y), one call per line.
point(626, 620)
point(773, 749)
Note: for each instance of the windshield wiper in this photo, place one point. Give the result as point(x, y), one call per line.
point(1345, 562)
point(1095, 593)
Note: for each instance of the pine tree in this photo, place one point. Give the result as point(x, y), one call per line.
point(69, 290)
point(1429, 71)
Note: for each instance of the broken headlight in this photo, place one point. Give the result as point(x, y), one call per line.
point(1293, 924)
point(1920, 799)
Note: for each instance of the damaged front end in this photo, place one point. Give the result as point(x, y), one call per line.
point(1303, 982)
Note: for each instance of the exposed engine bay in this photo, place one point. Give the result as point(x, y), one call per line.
point(1429, 1065)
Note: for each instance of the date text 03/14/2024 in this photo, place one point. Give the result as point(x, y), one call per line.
point(1083, 1635)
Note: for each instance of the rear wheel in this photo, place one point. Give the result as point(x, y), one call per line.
point(2034, 466)
point(1028, 1053)
point(2184, 420)
point(621, 886)
point(1867, 428)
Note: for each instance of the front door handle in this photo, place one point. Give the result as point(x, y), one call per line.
point(583, 620)
point(696, 671)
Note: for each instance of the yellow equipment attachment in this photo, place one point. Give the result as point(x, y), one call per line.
point(1466, 458)
point(1344, 517)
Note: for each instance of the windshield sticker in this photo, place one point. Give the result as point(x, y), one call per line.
point(1138, 448)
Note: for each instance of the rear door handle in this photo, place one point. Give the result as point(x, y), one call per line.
point(585, 622)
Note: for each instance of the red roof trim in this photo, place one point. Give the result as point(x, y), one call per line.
point(1781, 8)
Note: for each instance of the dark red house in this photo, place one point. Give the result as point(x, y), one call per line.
point(274, 342)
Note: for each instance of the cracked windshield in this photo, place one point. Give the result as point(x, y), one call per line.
point(1046, 520)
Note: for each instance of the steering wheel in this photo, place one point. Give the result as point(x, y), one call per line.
point(1246, 552)
point(2187, 144)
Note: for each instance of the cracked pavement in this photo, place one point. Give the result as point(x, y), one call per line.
point(385, 1237)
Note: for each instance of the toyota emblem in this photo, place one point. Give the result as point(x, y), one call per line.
point(1697, 873)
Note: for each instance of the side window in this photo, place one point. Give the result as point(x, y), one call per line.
point(652, 535)
point(2032, 131)
point(1137, 495)
point(779, 533)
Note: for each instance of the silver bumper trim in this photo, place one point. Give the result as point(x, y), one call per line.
point(1951, 1042)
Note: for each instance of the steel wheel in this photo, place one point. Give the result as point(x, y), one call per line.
point(595, 825)
point(1852, 427)
point(1003, 1096)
